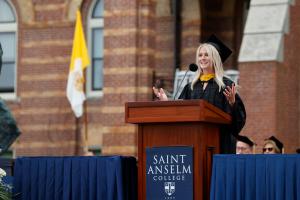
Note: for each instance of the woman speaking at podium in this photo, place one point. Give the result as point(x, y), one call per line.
point(211, 85)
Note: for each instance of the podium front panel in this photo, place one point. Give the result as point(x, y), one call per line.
point(203, 137)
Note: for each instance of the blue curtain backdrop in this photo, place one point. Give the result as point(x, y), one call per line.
point(76, 178)
point(248, 177)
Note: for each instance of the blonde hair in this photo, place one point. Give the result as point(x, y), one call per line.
point(214, 55)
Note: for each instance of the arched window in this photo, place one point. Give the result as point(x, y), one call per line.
point(8, 40)
point(95, 42)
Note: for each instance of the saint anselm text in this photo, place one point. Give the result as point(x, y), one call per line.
point(169, 167)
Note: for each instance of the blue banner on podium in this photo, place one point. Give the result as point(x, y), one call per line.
point(169, 173)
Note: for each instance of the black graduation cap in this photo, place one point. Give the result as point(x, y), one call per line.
point(245, 139)
point(223, 50)
point(277, 142)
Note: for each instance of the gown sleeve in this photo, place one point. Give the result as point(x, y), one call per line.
point(238, 114)
point(230, 131)
point(186, 92)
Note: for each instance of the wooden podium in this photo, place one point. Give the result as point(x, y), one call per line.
point(176, 123)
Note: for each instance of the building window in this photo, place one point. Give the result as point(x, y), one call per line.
point(95, 24)
point(8, 40)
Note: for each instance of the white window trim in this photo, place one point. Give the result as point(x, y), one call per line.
point(11, 27)
point(92, 23)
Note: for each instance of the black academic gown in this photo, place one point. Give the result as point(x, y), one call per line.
point(212, 95)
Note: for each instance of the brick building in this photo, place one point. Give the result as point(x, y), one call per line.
point(132, 44)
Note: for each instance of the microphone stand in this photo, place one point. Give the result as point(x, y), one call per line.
point(177, 89)
point(192, 67)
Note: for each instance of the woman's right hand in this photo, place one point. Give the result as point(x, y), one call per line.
point(160, 94)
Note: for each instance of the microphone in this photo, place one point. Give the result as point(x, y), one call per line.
point(192, 67)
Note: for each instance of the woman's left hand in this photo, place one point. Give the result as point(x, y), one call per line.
point(229, 93)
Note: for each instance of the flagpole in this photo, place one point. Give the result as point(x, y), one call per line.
point(75, 85)
point(86, 137)
point(77, 137)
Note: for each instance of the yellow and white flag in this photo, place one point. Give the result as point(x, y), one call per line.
point(79, 61)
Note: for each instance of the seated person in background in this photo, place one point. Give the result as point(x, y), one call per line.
point(244, 145)
point(272, 146)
